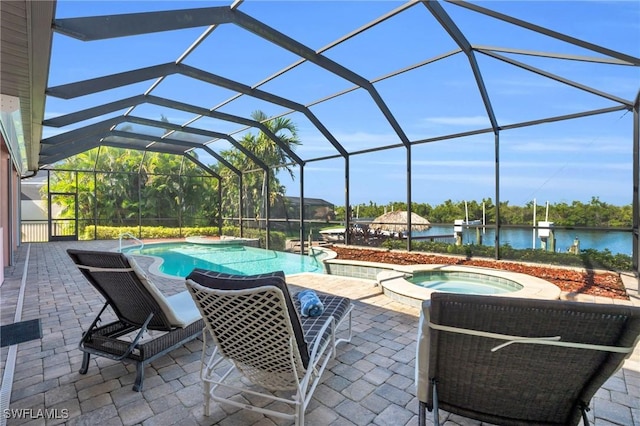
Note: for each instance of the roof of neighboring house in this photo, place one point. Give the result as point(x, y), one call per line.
point(30, 187)
point(308, 201)
point(31, 191)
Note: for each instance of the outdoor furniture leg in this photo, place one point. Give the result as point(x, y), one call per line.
point(207, 398)
point(85, 363)
point(137, 386)
point(436, 409)
point(585, 420)
point(422, 421)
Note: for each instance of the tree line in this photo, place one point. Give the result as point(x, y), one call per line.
point(596, 213)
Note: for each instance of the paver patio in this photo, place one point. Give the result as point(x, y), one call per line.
point(370, 382)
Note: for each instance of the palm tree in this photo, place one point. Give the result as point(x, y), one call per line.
point(266, 149)
point(271, 154)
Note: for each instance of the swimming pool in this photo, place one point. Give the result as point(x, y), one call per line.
point(179, 259)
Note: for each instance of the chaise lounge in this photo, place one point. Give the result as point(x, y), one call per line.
point(511, 361)
point(140, 307)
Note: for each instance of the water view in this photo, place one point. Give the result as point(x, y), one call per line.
point(615, 241)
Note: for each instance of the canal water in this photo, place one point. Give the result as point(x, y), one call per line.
point(615, 241)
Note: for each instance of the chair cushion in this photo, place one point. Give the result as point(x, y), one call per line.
point(222, 281)
point(179, 309)
point(334, 306)
point(184, 308)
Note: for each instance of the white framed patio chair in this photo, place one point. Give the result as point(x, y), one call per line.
point(256, 329)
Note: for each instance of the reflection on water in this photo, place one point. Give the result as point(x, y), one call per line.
point(615, 241)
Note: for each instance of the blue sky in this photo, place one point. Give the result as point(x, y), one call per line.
point(563, 161)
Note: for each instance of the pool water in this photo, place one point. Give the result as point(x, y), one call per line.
point(466, 283)
point(179, 259)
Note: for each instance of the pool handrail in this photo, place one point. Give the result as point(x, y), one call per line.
point(131, 236)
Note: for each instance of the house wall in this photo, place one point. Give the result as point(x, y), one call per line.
point(9, 205)
point(4, 204)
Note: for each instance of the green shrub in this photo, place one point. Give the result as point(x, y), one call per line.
point(276, 242)
point(150, 232)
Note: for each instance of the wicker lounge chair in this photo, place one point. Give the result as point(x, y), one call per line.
point(255, 326)
point(140, 307)
point(513, 361)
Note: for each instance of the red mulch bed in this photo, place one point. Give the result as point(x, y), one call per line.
point(606, 284)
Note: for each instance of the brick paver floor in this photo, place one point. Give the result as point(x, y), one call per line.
point(370, 382)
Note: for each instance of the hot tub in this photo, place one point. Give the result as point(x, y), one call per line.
point(415, 283)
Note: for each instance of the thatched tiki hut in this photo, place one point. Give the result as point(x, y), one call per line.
point(397, 222)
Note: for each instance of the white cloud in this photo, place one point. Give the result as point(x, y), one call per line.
point(351, 141)
point(598, 143)
point(476, 120)
point(520, 86)
point(378, 139)
point(454, 178)
point(308, 169)
point(325, 149)
point(453, 163)
point(472, 166)
point(575, 188)
point(546, 165)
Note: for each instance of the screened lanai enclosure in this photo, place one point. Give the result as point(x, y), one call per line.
point(422, 102)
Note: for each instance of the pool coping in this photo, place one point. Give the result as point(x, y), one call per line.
point(396, 286)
